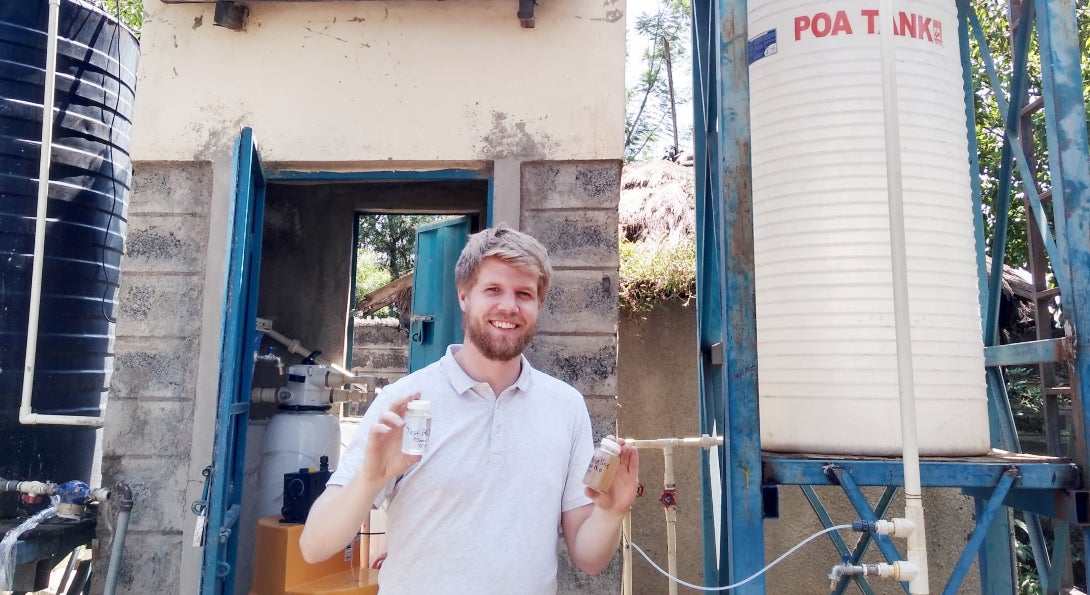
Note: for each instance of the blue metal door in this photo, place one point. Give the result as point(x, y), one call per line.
point(223, 490)
point(436, 320)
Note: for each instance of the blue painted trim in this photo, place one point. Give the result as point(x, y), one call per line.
point(370, 176)
point(783, 470)
point(350, 332)
point(983, 525)
point(1029, 352)
point(490, 218)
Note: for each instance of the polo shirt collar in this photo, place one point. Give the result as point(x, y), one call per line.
point(462, 381)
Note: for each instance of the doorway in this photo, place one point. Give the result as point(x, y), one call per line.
point(307, 262)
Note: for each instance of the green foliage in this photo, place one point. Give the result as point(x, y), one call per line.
point(370, 275)
point(652, 274)
point(647, 111)
point(384, 252)
point(130, 12)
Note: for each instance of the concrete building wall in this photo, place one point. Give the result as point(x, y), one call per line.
point(147, 438)
point(571, 207)
point(378, 81)
point(347, 87)
point(658, 394)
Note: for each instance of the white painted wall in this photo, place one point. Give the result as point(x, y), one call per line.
point(408, 80)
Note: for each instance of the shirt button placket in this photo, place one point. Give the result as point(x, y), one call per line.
point(496, 427)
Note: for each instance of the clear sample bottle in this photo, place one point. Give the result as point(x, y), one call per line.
point(417, 430)
point(603, 466)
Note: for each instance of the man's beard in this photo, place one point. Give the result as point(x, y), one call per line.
point(500, 349)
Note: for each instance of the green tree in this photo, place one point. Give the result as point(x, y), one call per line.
point(392, 239)
point(130, 12)
point(370, 275)
point(651, 103)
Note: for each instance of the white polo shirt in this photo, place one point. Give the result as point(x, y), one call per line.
point(480, 513)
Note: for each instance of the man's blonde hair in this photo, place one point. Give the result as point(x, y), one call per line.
point(511, 246)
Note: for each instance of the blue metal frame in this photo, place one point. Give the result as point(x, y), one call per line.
point(727, 346)
point(727, 335)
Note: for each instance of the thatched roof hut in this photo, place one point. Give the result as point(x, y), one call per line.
point(657, 203)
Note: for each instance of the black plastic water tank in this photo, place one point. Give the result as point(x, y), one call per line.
point(89, 180)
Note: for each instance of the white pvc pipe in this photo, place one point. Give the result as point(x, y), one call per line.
point(917, 542)
point(26, 413)
point(294, 346)
point(669, 483)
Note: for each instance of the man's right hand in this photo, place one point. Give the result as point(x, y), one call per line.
point(383, 459)
point(337, 514)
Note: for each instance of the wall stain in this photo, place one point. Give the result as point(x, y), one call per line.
point(197, 22)
point(611, 16)
point(509, 138)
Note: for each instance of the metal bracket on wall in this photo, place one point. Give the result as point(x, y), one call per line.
point(526, 13)
point(418, 327)
point(231, 15)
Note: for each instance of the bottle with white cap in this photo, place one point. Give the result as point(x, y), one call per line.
point(603, 466)
point(417, 429)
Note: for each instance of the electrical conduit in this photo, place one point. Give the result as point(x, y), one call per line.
point(26, 413)
point(917, 541)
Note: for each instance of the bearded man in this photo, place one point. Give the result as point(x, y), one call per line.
point(481, 511)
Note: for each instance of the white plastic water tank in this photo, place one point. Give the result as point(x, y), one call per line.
point(295, 440)
point(825, 324)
